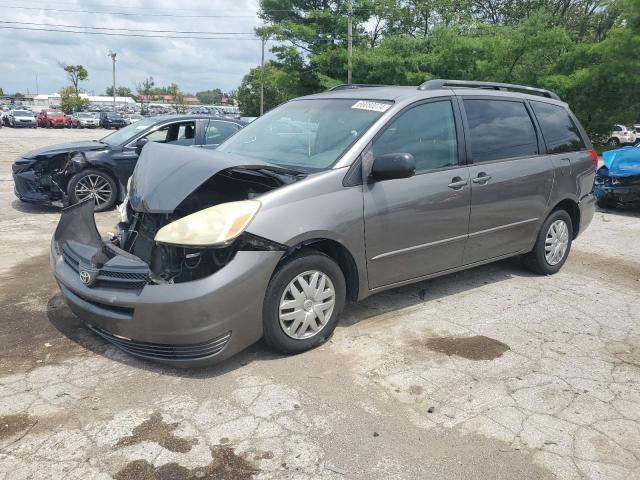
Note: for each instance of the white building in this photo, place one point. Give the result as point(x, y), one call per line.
point(48, 100)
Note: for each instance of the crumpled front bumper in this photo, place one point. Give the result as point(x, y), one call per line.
point(186, 324)
point(27, 188)
point(623, 194)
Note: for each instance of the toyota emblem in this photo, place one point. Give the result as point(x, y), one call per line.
point(88, 277)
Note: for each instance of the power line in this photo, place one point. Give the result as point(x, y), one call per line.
point(131, 14)
point(125, 34)
point(125, 29)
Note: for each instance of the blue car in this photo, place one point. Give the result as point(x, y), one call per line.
point(618, 180)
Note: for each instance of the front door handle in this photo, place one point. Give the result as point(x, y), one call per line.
point(458, 183)
point(482, 178)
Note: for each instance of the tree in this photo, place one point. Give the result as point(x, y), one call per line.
point(120, 92)
point(144, 92)
point(75, 74)
point(177, 96)
point(279, 87)
point(210, 97)
point(1, 92)
point(71, 102)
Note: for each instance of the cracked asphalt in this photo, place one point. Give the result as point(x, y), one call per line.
point(490, 373)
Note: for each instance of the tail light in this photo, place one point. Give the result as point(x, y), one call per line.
point(594, 158)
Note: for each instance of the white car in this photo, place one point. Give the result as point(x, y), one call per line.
point(22, 118)
point(133, 118)
point(86, 120)
point(620, 135)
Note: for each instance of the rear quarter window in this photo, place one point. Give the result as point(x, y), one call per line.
point(499, 129)
point(558, 129)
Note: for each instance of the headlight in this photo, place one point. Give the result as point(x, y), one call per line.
point(211, 226)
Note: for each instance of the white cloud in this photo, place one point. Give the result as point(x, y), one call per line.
point(193, 64)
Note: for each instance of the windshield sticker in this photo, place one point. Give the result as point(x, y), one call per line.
point(369, 105)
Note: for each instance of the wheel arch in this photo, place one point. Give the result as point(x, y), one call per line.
point(340, 254)
point(571, 207)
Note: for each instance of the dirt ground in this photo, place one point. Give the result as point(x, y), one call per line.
point(491, 373)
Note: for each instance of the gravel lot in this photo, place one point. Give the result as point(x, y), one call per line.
point(490, 373)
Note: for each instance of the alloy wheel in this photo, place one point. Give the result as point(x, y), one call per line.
point(94, 186)
point(556, 242)
point(307, 304)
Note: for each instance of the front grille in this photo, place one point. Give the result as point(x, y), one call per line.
point(160, 351)
point(108, 277)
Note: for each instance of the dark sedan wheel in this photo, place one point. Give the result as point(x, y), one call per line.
point(303, 301)
point(553, 244)
point(95, 184)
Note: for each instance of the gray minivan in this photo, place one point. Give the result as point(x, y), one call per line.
point(326, 198)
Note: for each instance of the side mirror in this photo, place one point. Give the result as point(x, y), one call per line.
point(141, 143)
point(393, 165)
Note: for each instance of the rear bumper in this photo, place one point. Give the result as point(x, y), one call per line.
point(587, 206)
point(186, 324)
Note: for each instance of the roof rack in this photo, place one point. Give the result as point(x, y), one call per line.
point(438, 84)
point(346, 86)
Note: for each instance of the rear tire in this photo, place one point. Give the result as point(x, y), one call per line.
point(303, 302)
point(552, 246)
point(81, 184)
point(613, 142)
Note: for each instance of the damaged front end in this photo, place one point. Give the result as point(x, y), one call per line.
point(181, 280)
point(611, 190)
point(43, 178)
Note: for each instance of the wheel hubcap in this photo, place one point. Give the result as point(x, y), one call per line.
point(307, 304)
point(94, 186)
point(556, 243)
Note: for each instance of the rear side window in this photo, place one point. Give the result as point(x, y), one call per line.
point(499, 129)
point(427, 131)
point(558, 129)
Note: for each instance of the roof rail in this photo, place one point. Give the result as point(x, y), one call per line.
point(346, 86)
point(438, 84)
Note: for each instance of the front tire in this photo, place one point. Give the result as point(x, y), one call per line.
point(553, 244)
point(613, 142)
point(93, 183)
point(303, 302)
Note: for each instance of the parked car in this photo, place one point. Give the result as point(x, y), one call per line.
point(52, 119)
point(621, 135)
point(271, 233)
point(133, 118)
point(72, 172)
point(617, 182)
point(22, 118)
point(85, 120)
point(112, 120)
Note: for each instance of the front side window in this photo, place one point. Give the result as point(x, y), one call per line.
point(308, 135)
point(499, 129)
point(217, 132)
point(427, 131)
point(182, 133)
point(558, 129)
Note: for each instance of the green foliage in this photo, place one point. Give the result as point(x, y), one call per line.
point(586, 50)
point(210, 97)
point(70, 101)
point(75, 74)
point(120, 92)
point(1, 92)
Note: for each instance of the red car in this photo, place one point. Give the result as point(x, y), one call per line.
point(52, 118)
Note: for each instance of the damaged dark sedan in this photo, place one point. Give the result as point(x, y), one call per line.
point(325, 199)
point(99, 169)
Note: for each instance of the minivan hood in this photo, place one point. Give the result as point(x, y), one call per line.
point(66, 147)
point(167, 174)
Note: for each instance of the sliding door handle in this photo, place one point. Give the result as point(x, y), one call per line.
point(482, 178)
point(458, 183)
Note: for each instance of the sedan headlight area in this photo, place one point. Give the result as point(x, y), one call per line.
point(215, 225)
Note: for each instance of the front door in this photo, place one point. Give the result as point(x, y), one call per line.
point(510, 180)
point(417, 226)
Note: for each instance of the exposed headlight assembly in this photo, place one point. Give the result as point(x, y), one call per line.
point(212, 226)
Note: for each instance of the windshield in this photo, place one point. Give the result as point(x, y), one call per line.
point(308, 135)
point(84, 115)
point(127, 133)
point(55, 114)
point(22, 113)
point(114, 115)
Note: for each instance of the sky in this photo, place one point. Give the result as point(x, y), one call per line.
point(194, 64)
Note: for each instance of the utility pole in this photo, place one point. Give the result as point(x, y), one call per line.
point(113, 57)
point(262, 79)
point(349, 40)
point(37, 89)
